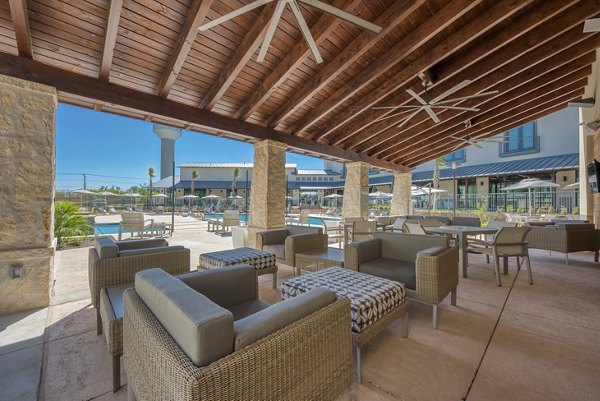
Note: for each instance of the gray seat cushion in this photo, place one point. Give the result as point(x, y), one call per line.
point(261, 324)
point(277, 249)
point(397, 270)
point(247, 308)
point(201, 328)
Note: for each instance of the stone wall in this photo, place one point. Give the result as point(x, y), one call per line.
point(401, 201)
point(356, 190)
point(27, 126)
point(267, 195)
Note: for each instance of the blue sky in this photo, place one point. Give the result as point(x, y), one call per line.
point(118, 150)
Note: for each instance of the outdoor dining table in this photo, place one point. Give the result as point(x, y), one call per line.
point(461, 232)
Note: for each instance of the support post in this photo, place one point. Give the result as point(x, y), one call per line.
point(356, 190)
point(401, 200)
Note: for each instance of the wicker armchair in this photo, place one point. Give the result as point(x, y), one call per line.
point(426, 264)
point(566, 238)
point(298, 349)
point(282, 242)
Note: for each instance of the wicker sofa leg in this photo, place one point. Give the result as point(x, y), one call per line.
point(116, 362)
point(404, 325)
point(357, 363)
point(529, 269)
point(567, 258)
point(453, 296)
point(130, 395)
point(434, 316)
point(98, 322)
point(596, 256)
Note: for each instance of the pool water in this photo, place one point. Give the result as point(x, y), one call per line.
point(112, 228)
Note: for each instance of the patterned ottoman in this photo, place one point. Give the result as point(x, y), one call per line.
point(262, 261)
point(376, 302)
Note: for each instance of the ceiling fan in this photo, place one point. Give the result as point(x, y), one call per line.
point(591, 25)
point(439, 102)
point(475, 141)
point(295, 8)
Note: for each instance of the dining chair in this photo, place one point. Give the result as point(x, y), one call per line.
point(333, 230)
point(363, 229)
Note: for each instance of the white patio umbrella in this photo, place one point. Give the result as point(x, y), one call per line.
point(379, 194)
point(528, 184)
point(335, 197)
point(134, 196)
point(212, 198)
point(82, 192)
point(106, 193)
point(572, 186)
point(190, 197)
point(415, 191)
point(161, 196)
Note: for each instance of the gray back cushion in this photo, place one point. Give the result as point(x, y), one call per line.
point(141, 243)
point(106, 248)
point(406, 246)
point(254, 327)
point(294, 229)
point(142, 251)
point(201, 328)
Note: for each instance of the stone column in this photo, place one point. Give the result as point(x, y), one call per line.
point(27, 163)
point(401, 202)
point(356, 190)
point(267, 192)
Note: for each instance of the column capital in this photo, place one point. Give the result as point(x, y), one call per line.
point(270, 142)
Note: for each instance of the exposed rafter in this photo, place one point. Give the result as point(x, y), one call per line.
point(198, 11)
point(20, 19)
point(110, 38)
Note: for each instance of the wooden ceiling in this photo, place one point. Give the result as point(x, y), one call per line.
point(146, 59)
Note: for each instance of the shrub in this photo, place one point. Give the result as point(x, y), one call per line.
point(68, 223)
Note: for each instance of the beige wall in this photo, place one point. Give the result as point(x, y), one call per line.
point(27, 126)
point(566, 177)
point(483, 185)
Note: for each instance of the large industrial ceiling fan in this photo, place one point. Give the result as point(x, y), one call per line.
point(475, 141)
point(429, 106)
point(591, 25)
point(295, 8)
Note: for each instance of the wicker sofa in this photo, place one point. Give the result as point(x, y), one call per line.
point(566, 238)
point(206, 336)
point(426, 264)
point(284, 243)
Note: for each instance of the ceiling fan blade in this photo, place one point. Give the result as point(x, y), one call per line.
point(457, 99)
point(476, 145)
point(403, 123)
point(233, 14)
point(451, 91)
point(454, 108)
point(591, 25)
point(306, 32)
point(432, 114)
point(392, 115)
point(271, 31)
point(341, 14)
point(417, 97)
point(394, 107)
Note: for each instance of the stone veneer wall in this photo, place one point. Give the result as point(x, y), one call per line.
point(356, 190)
point(402, 194)
point(27, 126)
point(267, 195)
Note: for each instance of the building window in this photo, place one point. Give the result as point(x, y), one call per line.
point(320, 178)
point(458, 156)
point(521, 140)
point(314, 178)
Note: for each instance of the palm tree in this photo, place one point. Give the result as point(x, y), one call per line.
point(194, 176)
point(151, 176)
point(67, 222)
point(236, 174)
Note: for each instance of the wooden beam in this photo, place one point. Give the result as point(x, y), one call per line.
point(480, 25)
point(320, 31)
point(198, 11)
point(522, 115)
point(547, 74)
point(488, 120)
point(391, 17)
point(347, 129)
point(119, 96)
point(110, 38)
point(20, 19)
point(241, 56)
point(423, 33)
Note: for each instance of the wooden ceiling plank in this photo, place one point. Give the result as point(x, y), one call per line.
point(241, 56)
point(522, 52)
point(198, 11)
point(320, 31)
point(105, 92)
point(520, 113)
point(520, 85)
point(423, 33)
point(110, 38)
point(20, 20)
point(482, 24)
point(516, 29)
point(503, 111)
point(553, 54)
point(391, 17)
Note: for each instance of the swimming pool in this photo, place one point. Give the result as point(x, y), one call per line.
point(111, 228)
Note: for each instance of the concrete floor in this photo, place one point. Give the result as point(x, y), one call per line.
point(515, 342)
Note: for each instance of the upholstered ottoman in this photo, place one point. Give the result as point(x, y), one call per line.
point(263, 262)
point(376, 302)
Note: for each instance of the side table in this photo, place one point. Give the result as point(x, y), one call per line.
point(319, 259)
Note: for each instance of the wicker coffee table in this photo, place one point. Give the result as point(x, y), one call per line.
point(319, 259)
point(263, 262)
point(376, 302)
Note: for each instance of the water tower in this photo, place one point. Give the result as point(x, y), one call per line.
point(168, 135)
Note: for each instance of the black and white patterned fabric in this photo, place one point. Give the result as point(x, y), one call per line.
point(371, 297)
point(253, 257)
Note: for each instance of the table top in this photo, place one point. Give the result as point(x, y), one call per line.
point(333, 254)
point(462, 229)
